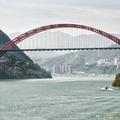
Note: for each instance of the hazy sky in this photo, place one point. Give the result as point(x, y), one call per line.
point(24, 15)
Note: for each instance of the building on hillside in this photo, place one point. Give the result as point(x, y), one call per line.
point(64, 69)
point(56, 69)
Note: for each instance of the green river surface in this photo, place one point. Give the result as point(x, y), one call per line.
point(59, 98)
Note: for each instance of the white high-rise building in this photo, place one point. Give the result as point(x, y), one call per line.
point(64, 69)
point(101, 61)
point(56, 69)
point(69, 69)
point(116, 61)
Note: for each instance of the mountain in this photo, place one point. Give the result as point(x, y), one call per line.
point(18, 65)
point(35, 54)
point(41, 54)
point(86, 61)
point(94, 61)
point(58, 39)
point(116, 82)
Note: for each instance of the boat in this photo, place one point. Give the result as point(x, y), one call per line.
point(106, 88)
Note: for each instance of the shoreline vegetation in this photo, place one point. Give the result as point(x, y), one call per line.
point(116, 82)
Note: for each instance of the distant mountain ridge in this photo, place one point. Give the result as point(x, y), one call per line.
point(50, 40)
point(60, 39)
point(94, 61)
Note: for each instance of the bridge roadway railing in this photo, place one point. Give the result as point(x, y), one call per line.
point(63, 49)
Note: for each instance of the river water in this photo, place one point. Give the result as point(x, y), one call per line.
point(63, 98)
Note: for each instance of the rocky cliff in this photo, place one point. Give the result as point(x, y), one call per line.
point(116, 82)
point(18, 65)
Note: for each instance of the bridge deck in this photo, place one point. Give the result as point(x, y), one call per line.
point(62, 49)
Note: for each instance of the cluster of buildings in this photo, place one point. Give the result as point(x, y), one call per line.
point(62, 69)
point(106, 62)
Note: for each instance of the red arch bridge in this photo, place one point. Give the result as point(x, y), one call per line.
point(62, 37)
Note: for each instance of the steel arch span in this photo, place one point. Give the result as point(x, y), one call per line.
point(25, 35)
